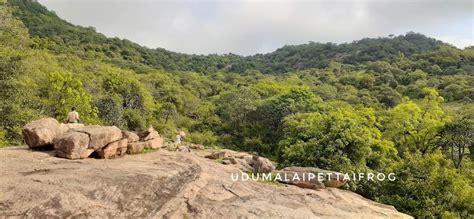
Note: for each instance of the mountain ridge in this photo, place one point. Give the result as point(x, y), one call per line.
point(46, 24)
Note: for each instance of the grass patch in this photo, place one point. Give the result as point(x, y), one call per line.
point(148, 150)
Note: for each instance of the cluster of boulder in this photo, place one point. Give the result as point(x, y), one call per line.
point(76, 141)
point(149, 139)
point(304, 177)
point(246, 162)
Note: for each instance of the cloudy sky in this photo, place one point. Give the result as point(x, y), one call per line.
point(247, 27)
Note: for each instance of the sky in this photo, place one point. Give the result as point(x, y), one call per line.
point(248, 27)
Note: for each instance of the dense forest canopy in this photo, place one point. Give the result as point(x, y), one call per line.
point(400, 104)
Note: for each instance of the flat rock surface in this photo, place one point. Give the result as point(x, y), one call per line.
point(160, 184)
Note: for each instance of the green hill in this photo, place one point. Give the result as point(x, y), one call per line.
point(86, 41)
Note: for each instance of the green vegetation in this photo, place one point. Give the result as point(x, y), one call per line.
point(148, 150)
point(400, 104)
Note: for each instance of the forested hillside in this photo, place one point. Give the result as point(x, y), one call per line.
point(400, 104)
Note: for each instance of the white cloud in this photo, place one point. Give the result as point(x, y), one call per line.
point(248, 27)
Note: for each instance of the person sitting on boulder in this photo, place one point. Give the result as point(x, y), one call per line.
point(73, 116)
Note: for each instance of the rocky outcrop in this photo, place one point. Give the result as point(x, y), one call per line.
point(304, 177)
point(42, 132)
point(160, 184)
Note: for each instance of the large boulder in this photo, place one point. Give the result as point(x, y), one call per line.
point(311, 177)
point(154, 143)
point(80, 142)
point(73, 145)
point(261, 165)
point(41, 132)
point(70, 126)
point(135, 147)
point(152, 139)
point(100, 136)
point(114, 149)
point(130, 136)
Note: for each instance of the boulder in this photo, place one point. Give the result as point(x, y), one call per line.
point(226, 162)
point(243, 165)
point(152, 135)
point(135, 147)
point(327, 179)
point(70, 126)
point(196, 146)
point(184, 149)
point(148, 134)
point(217, 155)
point(230, 159)
point(152, 139)
point(100, 136)
point(154, 143)
point(73, 145)
point(261, 165)
point(41, 132)
point(130, 136)
point(114, 149)
point(248, 159)
point(242, 155)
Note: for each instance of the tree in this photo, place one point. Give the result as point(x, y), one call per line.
point(168, 110)
point(344, 139)
point(64, 91)
point(428, 187)
point(456, 136)
point(415, 127)
point(269, 116)
point(235, 105)
point(387, 96)
point(110, 110)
